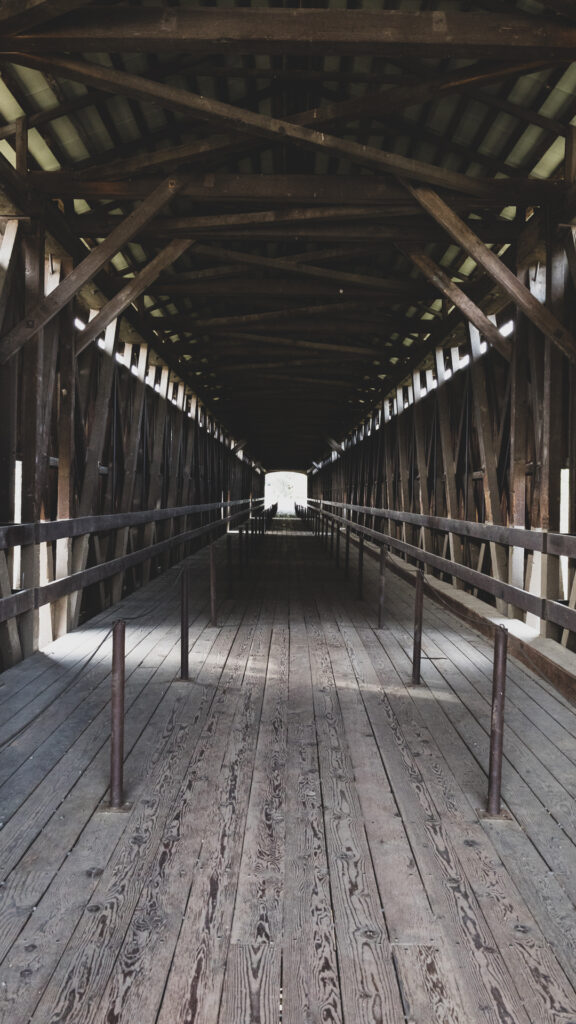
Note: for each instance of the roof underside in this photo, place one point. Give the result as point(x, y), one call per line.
point(300, 139)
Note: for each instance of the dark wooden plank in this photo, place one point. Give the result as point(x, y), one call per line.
point(387, 33)
point(311, 978)
point(194, 985)
point(368, 981)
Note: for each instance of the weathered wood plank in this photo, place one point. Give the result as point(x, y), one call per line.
point(311, 979)
point(369, 987)
point(422, 33)
point(194, 985)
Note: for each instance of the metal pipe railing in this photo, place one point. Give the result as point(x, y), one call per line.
point(117, 716)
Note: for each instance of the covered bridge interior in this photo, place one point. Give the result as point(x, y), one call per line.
point(337, 238)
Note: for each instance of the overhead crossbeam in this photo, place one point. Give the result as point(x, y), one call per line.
point(295, 31)
point(227, 116)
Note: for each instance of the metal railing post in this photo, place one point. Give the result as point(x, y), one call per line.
point(360, 565)
point(212, 562)
point(347, 552)
point(230, 568)
point(382, 586)
point(117, 715)
point(184, 615)
point(418, 609)
point(497, 722)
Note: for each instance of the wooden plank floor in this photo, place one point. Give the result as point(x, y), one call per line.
point(302, 842)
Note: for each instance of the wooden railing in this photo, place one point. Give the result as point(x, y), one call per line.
point(32, 534)
point(354, 518)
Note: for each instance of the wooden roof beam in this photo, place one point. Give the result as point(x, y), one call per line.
point(437, 276)
point(22, 15)
point(275, 341)
point(248, 30)
point(238, 119)
point(539, 315)
point(135, 287)
point(50, 306)
point(377, 104)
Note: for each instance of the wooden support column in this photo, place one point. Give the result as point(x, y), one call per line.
point(94, 450)
point(488, 452)
point(519, 400)
point(52, 276)
point(66, 402)
point(421, 463)
point(402, 435)
point(448, 462)
point(554, 440)
point(9, 259)
point(34, 459)
point(171, 496)
point(155, 488)
point(132, 447)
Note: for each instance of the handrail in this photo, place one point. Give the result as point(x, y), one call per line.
point(36, 597)
point(543, 608)
point(513, 536)
point(12, 534)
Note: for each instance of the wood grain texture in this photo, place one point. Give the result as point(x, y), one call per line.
point(303, 844)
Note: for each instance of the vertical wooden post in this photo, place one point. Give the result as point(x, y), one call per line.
point(518, 442)
point(66, 404)
point(34, 460)
point(94, 450)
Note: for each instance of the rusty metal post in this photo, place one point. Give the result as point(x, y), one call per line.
point(347, 552)
point(117, 712)
point(360, 565)
point(497, 724)
point(240, 551)
point(382, 586)
point(418, 608)
point(212, 561)
point(230, 567)
point(184, 615)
